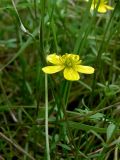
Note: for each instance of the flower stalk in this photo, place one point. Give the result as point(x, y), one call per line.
point(46, 119)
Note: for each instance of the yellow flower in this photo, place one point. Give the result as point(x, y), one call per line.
point(102, 6)
point(69, 63)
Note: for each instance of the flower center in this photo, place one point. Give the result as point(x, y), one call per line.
point(70, 60)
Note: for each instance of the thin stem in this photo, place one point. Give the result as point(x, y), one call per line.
point(18, 147)
point(46, 118)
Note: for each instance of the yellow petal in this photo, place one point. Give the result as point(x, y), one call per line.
point(102, 8)
point(74, 56)
point(84, 69)
point(70, 74)
point(52, 69)
point(54, 59)
point(109, 7)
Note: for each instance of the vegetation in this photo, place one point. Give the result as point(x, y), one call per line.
point(45, 117)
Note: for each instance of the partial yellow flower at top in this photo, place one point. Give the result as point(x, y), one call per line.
point(69, 63)
point(101, 6)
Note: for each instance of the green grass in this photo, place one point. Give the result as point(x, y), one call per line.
point(83, 116)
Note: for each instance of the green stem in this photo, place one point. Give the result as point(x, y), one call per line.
point(46, 118)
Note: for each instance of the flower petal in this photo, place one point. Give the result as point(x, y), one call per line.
point(52, 69)
point(109, 7)
point(84, 69)
point(54, 59)
point(102, 8)
point(71, 74)
point(74, 56)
